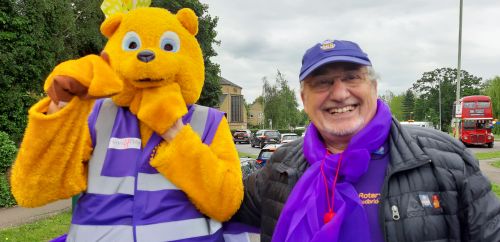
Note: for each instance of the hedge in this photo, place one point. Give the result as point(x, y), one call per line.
point(8, 152)
point(6, 198)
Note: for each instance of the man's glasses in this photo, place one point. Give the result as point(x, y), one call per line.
point(322, 83)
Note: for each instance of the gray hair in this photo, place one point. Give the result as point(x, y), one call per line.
point(372, 74)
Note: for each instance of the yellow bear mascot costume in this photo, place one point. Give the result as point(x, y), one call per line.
point(122, 129)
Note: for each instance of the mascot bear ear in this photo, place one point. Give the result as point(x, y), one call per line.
point(188, 19)
point(111, 24)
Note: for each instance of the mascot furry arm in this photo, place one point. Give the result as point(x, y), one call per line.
point(51, 163)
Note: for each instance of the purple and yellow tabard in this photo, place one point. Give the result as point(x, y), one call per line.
point(126, 198)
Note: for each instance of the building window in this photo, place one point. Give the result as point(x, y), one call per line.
point(236, 108)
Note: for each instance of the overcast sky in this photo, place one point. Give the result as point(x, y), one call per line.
point(403, 39)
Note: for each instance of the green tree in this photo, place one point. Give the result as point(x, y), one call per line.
point(8, 152)
point(207, 38)
point(427, 88)
point(33, 37)
point(36, 35)
point(492, 89)
point(408, 105)
point(303, 118)
point(87, 38)
point(280, 103)
point(387, 96)
point(396, 104)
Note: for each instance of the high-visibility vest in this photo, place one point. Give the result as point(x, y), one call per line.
point(127, 199)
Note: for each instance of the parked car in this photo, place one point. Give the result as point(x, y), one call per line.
point(242, 136)
point(266, 152)
point(288, 137)
point(249, 166)
point(264, 137)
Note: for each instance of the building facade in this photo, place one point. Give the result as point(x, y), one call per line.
point(233, 104)
point(256, 114)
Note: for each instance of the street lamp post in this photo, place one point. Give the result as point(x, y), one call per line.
point(440, 104)
point(459, 51)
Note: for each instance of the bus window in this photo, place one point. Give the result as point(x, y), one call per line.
point(481, 125)
point(469, 124)
point(483, 104)
point(469, 105)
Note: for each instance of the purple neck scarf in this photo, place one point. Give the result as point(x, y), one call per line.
point(302, 215)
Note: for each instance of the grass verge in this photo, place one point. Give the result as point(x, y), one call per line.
point(42, 230)
point(496, 189)
point(496, 164)
point(243, 154)
point(488, 155)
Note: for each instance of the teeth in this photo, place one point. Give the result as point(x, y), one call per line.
point(341, 110)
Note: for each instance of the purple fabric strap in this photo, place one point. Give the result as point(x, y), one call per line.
point(302, 215)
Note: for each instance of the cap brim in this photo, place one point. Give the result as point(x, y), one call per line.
point(333, 59)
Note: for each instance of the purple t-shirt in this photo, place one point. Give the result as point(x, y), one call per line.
point(369, 188)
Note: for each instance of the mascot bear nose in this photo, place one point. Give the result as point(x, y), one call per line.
point(146, 56)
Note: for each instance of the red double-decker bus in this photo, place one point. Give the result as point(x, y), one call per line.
point(473, 120)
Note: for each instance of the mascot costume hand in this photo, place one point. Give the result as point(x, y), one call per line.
point(123, 130)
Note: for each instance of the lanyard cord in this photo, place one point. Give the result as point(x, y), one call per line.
point(329, 215)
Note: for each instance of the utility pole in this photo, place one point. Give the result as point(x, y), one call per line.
point(440, 122)
point(459, 73)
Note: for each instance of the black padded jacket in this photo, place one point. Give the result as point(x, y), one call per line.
point(422, 162)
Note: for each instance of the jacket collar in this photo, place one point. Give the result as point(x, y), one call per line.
point(404, 149)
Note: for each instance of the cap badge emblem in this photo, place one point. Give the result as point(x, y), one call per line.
point(327, 45)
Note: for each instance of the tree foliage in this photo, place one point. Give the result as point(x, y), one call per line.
point(33, 37)
point(408, 105)
point(396, 104)
point(8, 152)
point(280, 103)
point(492, 89)
point(36, 35)
point(427, 89)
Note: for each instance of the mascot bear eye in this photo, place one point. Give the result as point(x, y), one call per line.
point(131, 41)
point(170, 42)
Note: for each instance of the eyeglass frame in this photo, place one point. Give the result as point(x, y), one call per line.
point(351, 78)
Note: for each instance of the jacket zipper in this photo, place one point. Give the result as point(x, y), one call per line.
point(395, 212)
point(396, 217)
point(394, 206)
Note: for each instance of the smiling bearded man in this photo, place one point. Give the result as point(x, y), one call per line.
point(358, 175)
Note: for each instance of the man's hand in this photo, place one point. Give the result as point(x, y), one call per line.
point(64, 88)
point(172, 132)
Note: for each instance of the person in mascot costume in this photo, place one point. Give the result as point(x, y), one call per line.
point(123, 130)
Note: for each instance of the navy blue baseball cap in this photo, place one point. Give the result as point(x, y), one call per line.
point(330, 51)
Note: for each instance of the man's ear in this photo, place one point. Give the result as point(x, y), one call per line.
point(111, 24)
point(188, 19)
point(302, 91)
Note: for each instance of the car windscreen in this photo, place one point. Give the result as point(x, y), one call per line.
point(272, 134)
point(290, 137)
point(469, 124)
point(266, 154)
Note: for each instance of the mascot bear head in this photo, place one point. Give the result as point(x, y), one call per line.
point(151, 47)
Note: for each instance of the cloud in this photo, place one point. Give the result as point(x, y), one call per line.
point(403, 39)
